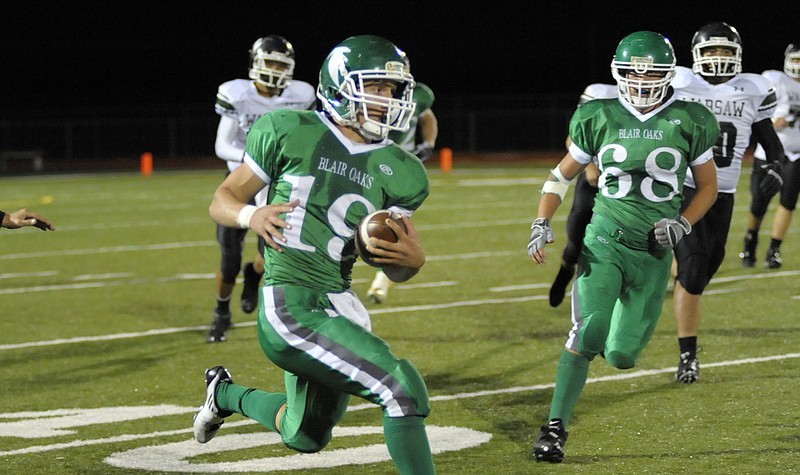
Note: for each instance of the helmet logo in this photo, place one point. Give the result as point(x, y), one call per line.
point(641, 64)
point(337, 64)
point(396, 67)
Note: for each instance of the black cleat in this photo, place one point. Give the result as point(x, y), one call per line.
point(209, 418)
point(219, 327)
point(559, 287)
point(549, 446)
point(773, 260)
point(252, 279)
point(748, 254)
point(748, 259)
point(688, 369)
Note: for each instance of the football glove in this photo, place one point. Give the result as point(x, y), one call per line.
point(669, 231)
point(423, 151)
point(772, 181)
point(541, 234)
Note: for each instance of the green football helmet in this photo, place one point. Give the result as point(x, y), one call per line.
point(639, 54)
point(349, 65)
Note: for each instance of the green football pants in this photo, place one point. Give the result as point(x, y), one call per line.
point(328, 357)
point(618, 297)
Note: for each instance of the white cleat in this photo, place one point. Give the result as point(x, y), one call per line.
point(210, 417)
point(379, 289)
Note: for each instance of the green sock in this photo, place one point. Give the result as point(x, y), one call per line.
point(408, 445)
point(570, 379)
point(256, 404)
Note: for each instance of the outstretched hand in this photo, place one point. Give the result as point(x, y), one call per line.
point(24, 217)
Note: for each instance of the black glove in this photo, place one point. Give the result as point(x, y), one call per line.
point(423, 151)
point(772, 181)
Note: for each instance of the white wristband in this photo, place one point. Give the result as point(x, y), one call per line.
point(243, 220)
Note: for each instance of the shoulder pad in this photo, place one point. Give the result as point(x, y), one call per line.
point(301, 91)
point(599, 91)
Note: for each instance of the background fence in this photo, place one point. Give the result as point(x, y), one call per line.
point(73, 138)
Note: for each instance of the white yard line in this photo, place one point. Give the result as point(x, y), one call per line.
point(359, 407)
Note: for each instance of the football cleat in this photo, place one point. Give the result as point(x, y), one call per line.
point(773, 260)
point(688, 369)
point(748, 259)
point(252, 279)
point(219, 327)
point(549, 445)
point(559, 287)
point(379, 290)
point(210, 417)
point(748, 254)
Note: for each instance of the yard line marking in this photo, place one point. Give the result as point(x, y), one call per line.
point(378, 311)
point(428, 285)
point(114, 336)
point(360, 407)
point(109, 249)
point(509, 288)
point(166, 331)
point(13, 275)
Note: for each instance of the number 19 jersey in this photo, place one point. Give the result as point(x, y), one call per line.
point(303, 155)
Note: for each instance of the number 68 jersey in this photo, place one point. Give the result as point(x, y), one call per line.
point(643, 158)
point(737, 104)
point(303, 155)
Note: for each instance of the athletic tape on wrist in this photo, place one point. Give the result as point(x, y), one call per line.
point(243, 219)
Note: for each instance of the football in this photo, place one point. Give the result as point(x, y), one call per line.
point(374, 225)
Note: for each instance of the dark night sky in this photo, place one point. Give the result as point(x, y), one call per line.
point(101, 54)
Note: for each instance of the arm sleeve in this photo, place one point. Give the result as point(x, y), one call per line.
point(765, 135)
point(224, 146)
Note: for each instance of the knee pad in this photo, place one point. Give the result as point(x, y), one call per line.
point(231, 243)
point(302, 443)
point(620, 360)
point(414, 399)
point(759, 203)
point(693, 275)
point(791, 186)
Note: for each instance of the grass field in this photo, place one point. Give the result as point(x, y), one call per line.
point(103, 347)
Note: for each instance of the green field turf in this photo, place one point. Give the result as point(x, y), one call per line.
point(102, 346)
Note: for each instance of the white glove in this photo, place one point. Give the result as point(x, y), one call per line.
point(669, 231)
point(541, 234)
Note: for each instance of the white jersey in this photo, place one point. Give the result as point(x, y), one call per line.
point(737, 104)
point(238, 100)
point(598, 91)
point(788, 92)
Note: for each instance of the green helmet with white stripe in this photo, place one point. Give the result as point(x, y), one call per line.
point(348, 67)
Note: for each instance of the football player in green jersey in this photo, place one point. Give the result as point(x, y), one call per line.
point(644, 142)
point(421, 145)
point(325, 170)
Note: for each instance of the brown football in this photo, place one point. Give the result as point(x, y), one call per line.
point(374, 225)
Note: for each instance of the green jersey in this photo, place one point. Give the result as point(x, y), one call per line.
point(423, 98)
point(302, 155)
point(643, 158)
